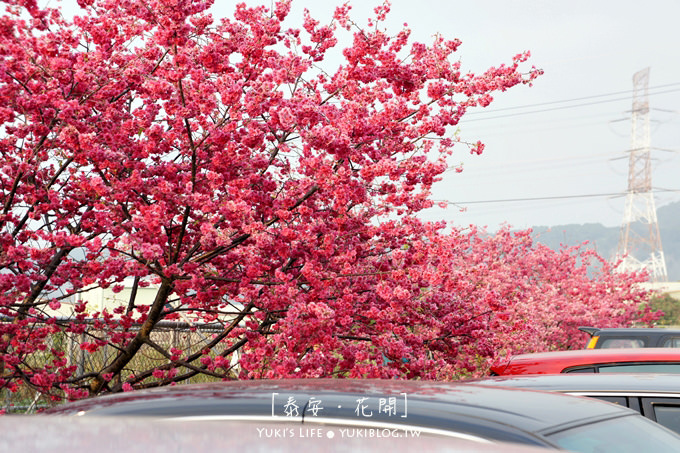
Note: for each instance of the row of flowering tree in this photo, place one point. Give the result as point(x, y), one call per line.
point(219, 162)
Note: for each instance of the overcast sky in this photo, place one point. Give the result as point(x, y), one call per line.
point(589, 50)
point(564, 139)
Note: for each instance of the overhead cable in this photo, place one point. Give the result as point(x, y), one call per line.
point(557, 197)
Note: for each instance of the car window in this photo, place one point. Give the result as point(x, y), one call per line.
point(641, 368)
point(586, 369)
point(631, 434)
point(611, 343)
point(672, 342)
point(668, 416)
point(665, 411)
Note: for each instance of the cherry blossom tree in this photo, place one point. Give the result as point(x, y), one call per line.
point(222, 164)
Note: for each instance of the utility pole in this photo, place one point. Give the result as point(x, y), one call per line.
point(640, 241)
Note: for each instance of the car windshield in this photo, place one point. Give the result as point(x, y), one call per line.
point(631, 434)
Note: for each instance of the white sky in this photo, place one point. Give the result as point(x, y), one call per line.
point(588, 49)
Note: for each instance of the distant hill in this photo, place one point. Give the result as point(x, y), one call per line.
point(605, 239)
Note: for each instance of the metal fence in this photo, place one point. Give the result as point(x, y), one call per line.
point(185, 336)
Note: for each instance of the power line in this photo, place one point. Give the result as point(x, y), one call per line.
point(557, 197)
point(578, 159)
point(558, 108)
point(615, 93)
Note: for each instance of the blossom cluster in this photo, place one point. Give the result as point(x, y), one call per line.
point(215, 163)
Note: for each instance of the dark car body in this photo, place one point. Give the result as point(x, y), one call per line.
point(55, 434)
point(656, 396)
point(631, 338)
point(641, 360)
point(460, 410)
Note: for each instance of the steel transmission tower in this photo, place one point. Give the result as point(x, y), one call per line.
point(640, 241)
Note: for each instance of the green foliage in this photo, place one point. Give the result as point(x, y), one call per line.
point(670, 306)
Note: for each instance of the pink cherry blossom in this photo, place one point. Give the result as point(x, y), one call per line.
point(213, 165)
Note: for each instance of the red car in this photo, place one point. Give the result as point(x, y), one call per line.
point(641, 360)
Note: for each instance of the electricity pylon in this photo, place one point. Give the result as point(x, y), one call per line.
point(640, 241)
